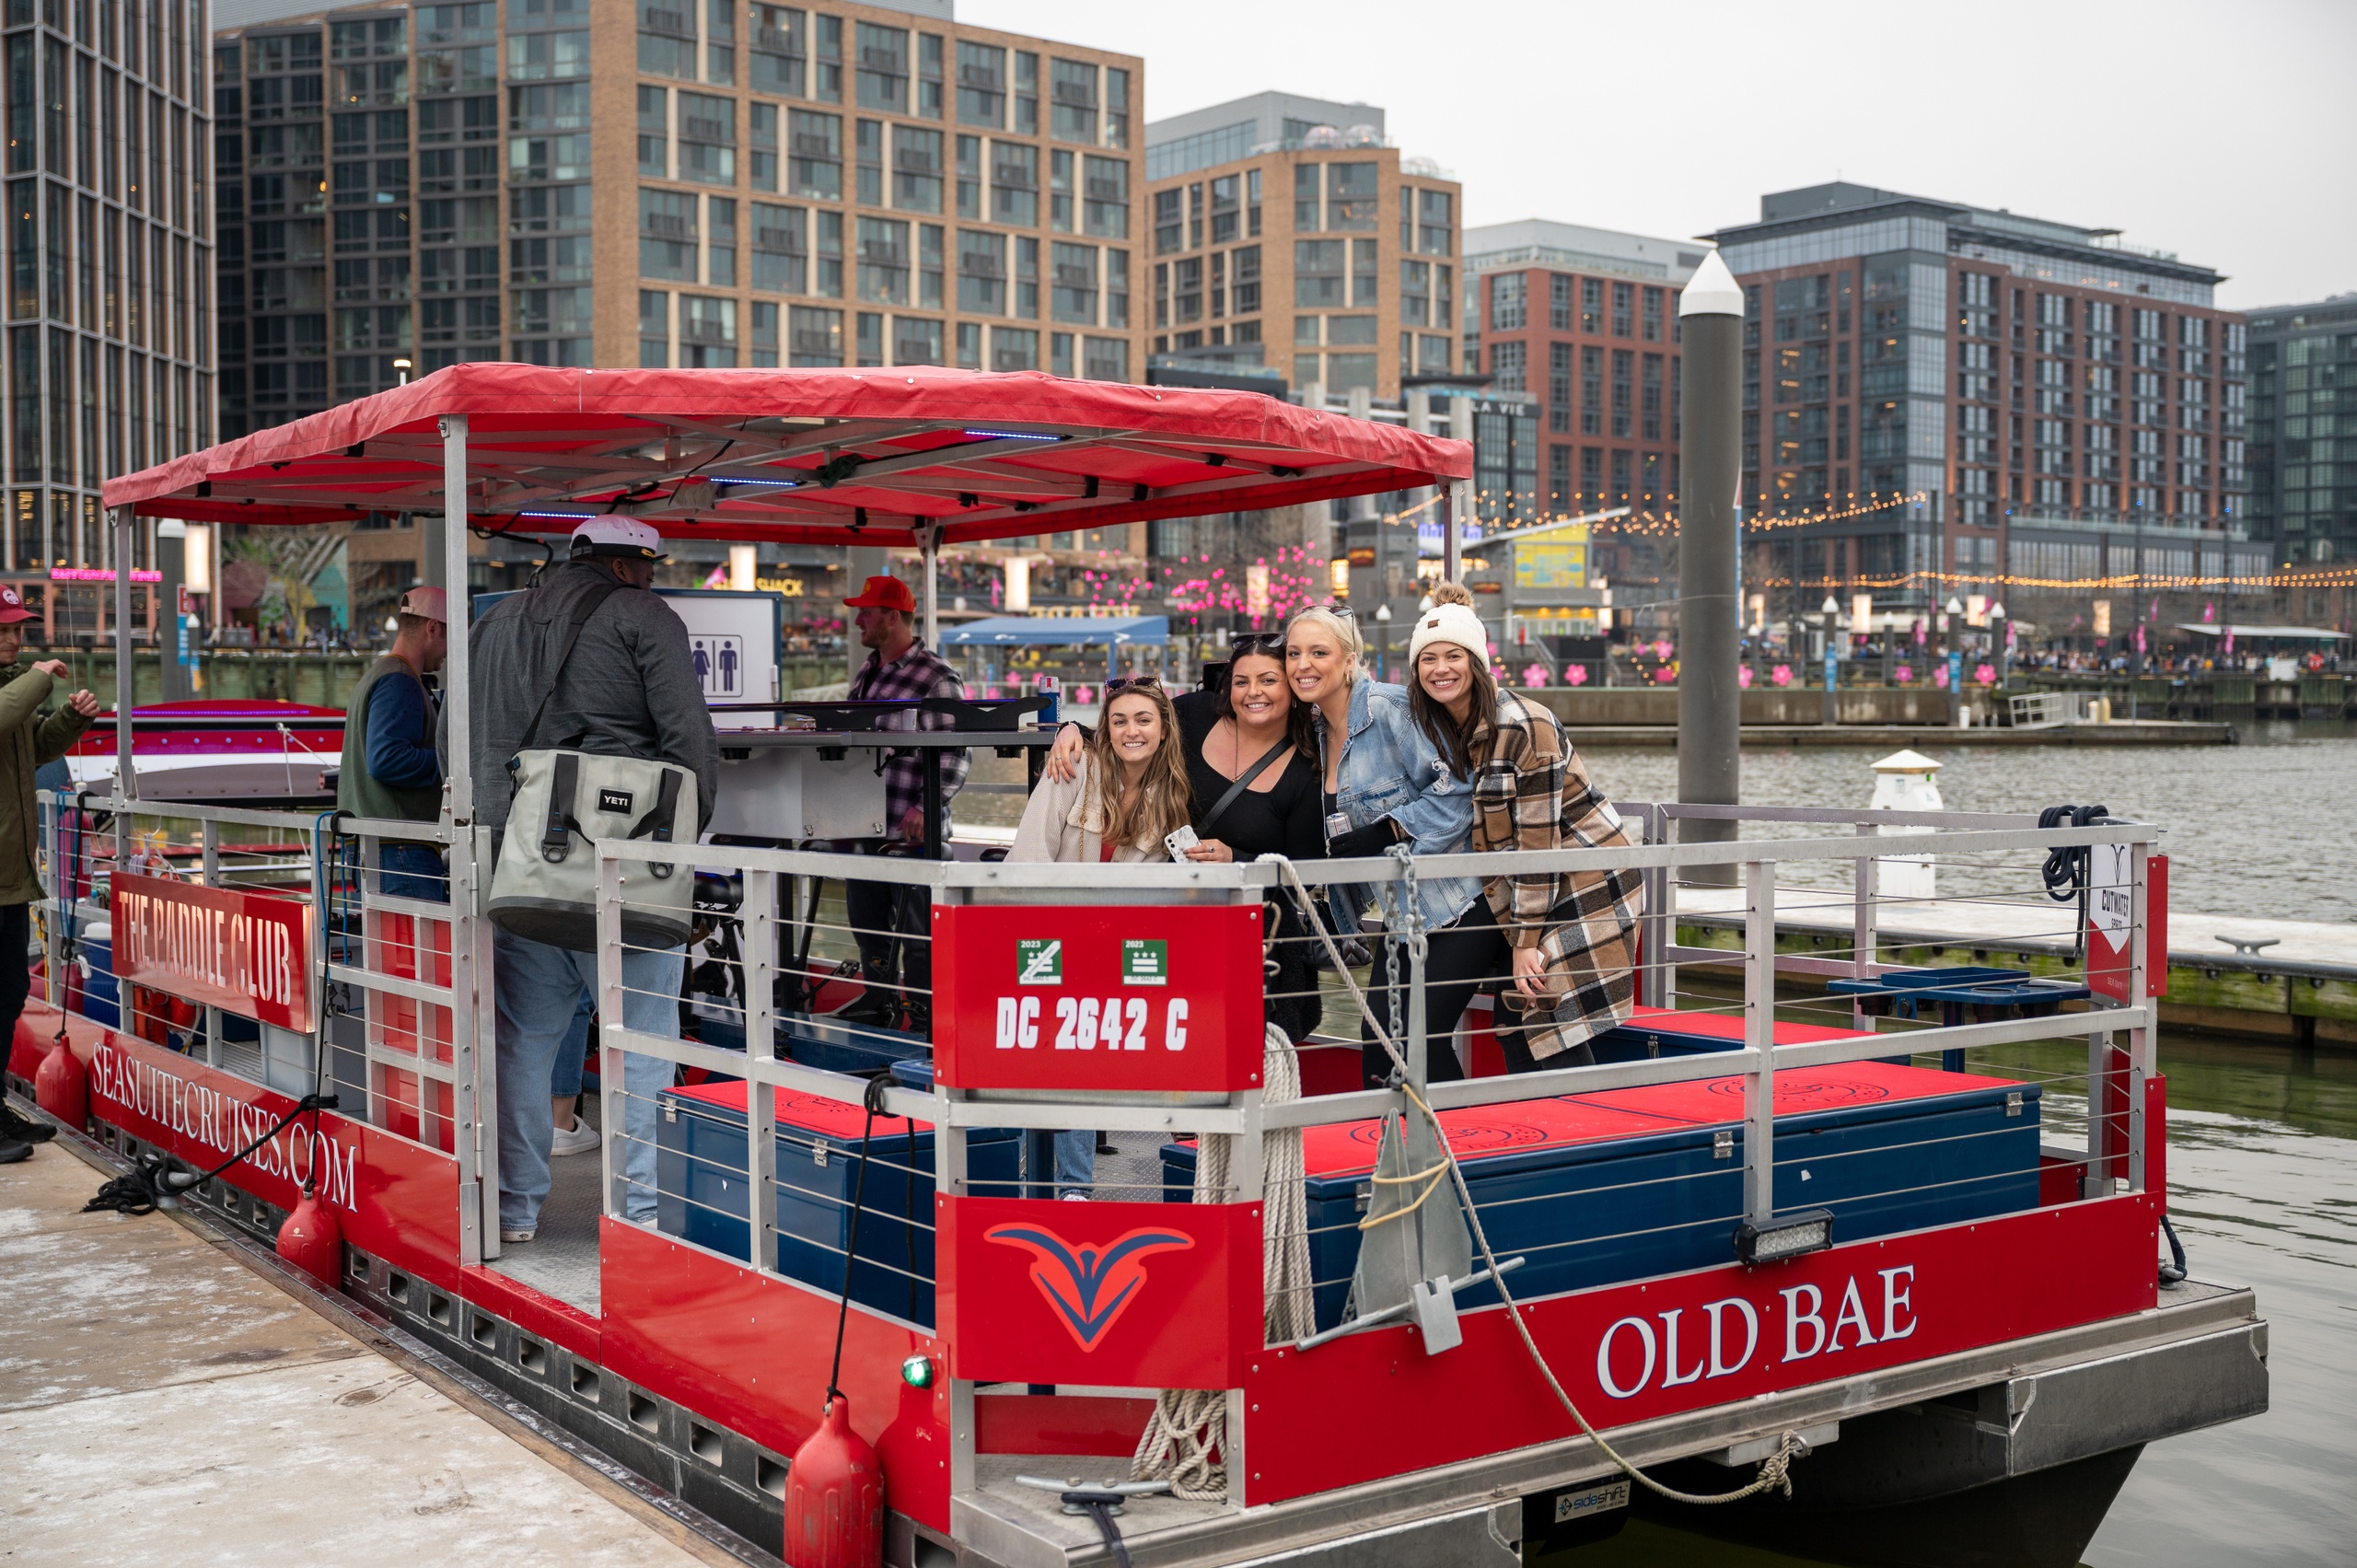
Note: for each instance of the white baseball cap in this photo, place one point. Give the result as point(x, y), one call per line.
point(617, 535)
point(430, 603)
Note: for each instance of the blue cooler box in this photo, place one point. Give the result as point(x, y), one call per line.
point(699, 1177)
point(1630, 1183)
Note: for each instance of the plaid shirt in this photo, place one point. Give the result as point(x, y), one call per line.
point(1530, 793)
point(919, 672)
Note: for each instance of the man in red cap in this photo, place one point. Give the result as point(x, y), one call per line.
point(891, 921)
point(28, 739)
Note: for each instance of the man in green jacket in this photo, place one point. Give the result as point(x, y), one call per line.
point(391, 770)
point(28, 739)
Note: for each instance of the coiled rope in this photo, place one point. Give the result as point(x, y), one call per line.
point(1774, 1470)
point(1188, 1427)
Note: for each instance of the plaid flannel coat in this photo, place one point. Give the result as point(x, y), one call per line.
point(1530, 793)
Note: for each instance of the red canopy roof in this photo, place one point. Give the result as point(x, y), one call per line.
point(796, 455)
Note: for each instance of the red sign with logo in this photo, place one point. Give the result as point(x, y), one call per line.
point(247, 953)
point(1164, 1296)
point(1160, 997)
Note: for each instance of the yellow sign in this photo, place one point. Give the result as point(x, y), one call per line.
point(1553, 564)
point(792, 587)
point(1559, 622)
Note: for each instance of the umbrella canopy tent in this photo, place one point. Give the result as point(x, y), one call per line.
point(2290, 634)
point(869, 457)
point(910, 456)
point(1055, 631)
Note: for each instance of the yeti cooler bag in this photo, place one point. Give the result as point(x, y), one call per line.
point(545, 885)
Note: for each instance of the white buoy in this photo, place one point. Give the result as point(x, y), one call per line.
point(1904, 781)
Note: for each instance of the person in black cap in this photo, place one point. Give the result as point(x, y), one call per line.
point(28, 739)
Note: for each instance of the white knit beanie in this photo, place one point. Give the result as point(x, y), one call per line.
point(1450, 620)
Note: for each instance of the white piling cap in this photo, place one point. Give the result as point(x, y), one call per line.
point(1907, 762)
point(1711, 291)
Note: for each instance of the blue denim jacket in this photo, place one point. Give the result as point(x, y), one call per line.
point(1391, 768)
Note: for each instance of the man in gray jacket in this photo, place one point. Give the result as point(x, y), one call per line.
point(629, 690)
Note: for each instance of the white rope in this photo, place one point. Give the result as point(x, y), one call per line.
point(1189, 1425)
point(1774, 1470)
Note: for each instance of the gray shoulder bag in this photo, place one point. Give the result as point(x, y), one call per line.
point(544, 886)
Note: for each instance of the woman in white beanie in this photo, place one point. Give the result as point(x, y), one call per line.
point(1566, 942)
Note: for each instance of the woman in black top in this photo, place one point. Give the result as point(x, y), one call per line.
point(1250, 718)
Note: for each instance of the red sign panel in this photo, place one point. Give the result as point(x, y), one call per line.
point(2112, 921)
point(1635, 1353)
point(246, 953)
point(1132, 1294)
point(1162, 998)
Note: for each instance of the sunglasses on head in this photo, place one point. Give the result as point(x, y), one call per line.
point(1132, 683)
point(1256, 642)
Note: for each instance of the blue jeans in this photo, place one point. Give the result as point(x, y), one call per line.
point(539, 990)
point(1075, 1161)
point(564, 1079)
point(412, 871)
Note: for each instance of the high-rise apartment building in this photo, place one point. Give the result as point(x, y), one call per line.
point(1940, 398)
point(664, 183)
point(2304, 431)
point(1582, 323)
point(110, 246)
point(1287, 232)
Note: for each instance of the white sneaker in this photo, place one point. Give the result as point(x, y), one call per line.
point(518, 1233)
point(1074, 1197)
point(577, 1140)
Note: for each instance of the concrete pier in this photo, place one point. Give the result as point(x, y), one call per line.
point(163, 1401)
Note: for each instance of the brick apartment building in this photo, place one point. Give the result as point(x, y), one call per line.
point(1944, 399)
point(1582, 323)
point(1287, 235)
point(660, 183)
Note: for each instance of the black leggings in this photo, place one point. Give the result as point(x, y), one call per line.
point(1465, 957)
point(16, 972)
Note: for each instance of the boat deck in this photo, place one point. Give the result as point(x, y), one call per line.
point(127, 1337)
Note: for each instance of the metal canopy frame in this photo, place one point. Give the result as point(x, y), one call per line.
point(913, 456)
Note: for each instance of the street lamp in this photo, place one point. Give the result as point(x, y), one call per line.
point(1954, 609)
point(2002, 636)
point(1831, 610)
point(1382, 639)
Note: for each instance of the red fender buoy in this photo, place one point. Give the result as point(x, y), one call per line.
point(311, 1239)
point(834, 1497)
point(61, 1086)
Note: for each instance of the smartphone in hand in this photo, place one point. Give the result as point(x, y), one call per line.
point(1179, 843)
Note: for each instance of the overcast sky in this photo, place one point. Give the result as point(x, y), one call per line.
point(2220, 132)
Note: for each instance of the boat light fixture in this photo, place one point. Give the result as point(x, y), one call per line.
point(1014, 435)
point(1773, 1241)
point(917, 1371)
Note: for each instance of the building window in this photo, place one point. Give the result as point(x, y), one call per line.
point(1014, 184)
point(707, 138)
point(813, 164)
point(883, 262)
point(1559, 385)
point(814, 336)
point(1072, 101)
point(1650, 406)
point(982, 273)
point(1624, 307)
point(780, 249)
point(707, 333)
point(916, 341)
point(1015, 348)
point(667, 235)
point(1435, 221)
point(882, 74)
point(1072, 292)
point(916, 170)
point(1506, 366)
point(982, 85)
point(654, 328)
point(1591, 391)
point(1507, 308)
point(1105, 197)
point(780, 44)
point(1318, 271)
point(1623, 372)
point(1351, 196)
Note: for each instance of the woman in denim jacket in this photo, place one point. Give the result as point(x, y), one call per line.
point(1386, 783)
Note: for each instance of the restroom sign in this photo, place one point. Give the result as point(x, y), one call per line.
point(720, 666)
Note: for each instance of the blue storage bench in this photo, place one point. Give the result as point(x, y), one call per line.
point(699, 1177)
point(1627, 1184)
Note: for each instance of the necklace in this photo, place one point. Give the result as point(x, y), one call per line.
point(1236, 763)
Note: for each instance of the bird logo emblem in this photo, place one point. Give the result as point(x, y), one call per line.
point(1089, 1286)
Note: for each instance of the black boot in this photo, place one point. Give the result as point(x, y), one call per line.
point(12, 1151)
point(16, 1129)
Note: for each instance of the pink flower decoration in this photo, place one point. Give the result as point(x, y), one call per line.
point(1743, 676)
point(1661, 649)
point(1781, 674)
point(1905, 673)
point(1940, 677)
point(1535, 676)
point(1576, 675)
point(1666, 675)
point(1985, 674)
